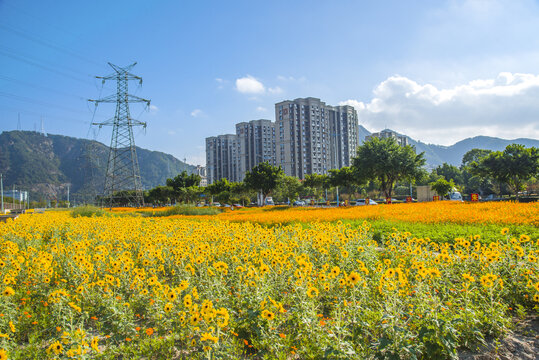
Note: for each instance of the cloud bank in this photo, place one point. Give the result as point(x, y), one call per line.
point(506, 106)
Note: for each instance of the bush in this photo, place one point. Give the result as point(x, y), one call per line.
point(87, 210)
point(184, 210)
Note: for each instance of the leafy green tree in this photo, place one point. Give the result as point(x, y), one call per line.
point(387, 162)
point(345, 179)
point(316, 182)
point(442, 186)
point(288, 187)
point(263, 177)
point(181, 183)
point(218, 187)
point(160, 195)
point(474, 155)
point(183, 180)
point(513, 166)
point(450, 172)
point(472, 182)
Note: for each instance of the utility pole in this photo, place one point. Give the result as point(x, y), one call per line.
point(2, 191)
point(19, 121)
point(123, 171)
point(68, 196)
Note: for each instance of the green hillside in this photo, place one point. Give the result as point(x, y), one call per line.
point(46, 165)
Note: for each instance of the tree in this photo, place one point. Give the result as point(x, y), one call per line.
point(442, 186)
point(450, 172)
point(474, 155)
point(385, 161)
point(181, 183)
point(160, 195)
point(219, 187)
point(472, 182)
point(263, 177)
point(514, 166)
point(316, 182)
point(288, 187)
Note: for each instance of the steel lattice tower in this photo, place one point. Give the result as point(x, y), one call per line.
point(123, 185)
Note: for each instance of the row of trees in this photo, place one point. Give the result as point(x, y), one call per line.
point(510, 171)
point(381, 167)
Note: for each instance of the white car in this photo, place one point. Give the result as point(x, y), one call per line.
point(360, 202)
point(455, 196)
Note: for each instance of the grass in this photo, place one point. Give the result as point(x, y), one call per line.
point(444, 232)
point(87, 211)
point(183, 210)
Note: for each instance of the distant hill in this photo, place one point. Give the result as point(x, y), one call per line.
point(438, 154)
point(46, 165)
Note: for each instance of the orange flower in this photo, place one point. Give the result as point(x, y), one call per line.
point(149, 331)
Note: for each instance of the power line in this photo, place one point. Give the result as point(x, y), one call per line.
point(44, 67)
point(51, 25)
point(33, 113)
point(38, 102)
point(45, 43)
point(34, 85)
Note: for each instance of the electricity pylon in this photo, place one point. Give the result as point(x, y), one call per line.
point(123, 185)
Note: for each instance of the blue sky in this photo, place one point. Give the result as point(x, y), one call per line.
point(439, 71)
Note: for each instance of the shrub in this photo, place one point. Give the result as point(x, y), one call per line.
point(184, 210)
point(87, 210)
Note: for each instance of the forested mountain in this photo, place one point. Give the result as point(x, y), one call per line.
point(46, 165)
point(438, 154)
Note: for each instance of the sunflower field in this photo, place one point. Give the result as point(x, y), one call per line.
point(124, 286)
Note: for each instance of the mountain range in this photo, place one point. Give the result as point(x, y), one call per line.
point(47, 165)
point(438, 154)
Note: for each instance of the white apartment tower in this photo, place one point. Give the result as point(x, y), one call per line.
point(257, 144)
point(313, 137)
point(222, 158)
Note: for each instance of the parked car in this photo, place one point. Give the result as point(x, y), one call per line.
point(269, 201)
point(299, 203)
point(238, 206)
point(455, 196)
point(216, 204)
point(360, 202)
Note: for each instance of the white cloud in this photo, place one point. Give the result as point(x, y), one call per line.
point(154, 108)
point(249, 85)
point(290, 78)
point(505, 106)
point(261, 109)
point(197, 113)
point(171, 132)
point(275, 90)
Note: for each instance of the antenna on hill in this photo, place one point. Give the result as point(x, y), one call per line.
point(43, 127)
point(19, 121)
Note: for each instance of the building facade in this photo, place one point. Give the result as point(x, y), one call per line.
point(222, 158)
point(402, 140)
point(344, 138)
point(257, 144)
point(313, 137)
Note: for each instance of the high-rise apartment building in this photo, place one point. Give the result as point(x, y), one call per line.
point(257, 144)
point(308, 137)
point(402, 140)
point(344, 138)
point(313, 137)
point(222, 158)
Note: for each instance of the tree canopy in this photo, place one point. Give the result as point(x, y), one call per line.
point(442, 186)
point(263, 177)
point(383, 160)
point(513, 166)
